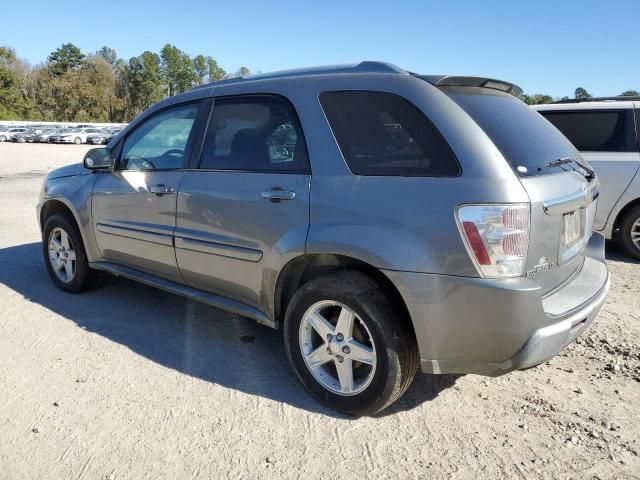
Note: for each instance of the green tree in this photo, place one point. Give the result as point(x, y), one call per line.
point(109, 54)
point(630, 93)
point(536, 99)
point(581, 93)
point(215, 72)
point(67, 57)
point(177, 70)
point(243, 72)
point(14, 100)
point(201, 68)
point(144, 81)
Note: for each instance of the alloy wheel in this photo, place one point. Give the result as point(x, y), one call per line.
point(337, 348)
point(62, 255)
point(635, 233)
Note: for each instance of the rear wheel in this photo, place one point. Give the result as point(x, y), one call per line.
point(630, 232)
point(350, 346)
point(3, 138)
point(65, 256)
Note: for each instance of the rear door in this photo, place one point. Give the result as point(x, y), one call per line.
point(606, 138)
point(245, 210)
point(134, 207)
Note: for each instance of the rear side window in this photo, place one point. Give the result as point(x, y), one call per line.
point(255, 133)
point(383, 134)
point(596, 130)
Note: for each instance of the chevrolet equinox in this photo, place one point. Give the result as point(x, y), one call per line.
point(384, 220)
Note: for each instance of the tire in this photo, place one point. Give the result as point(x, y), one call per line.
point(630, 231)
point(83, 277)
point(77, 140)
point(391, 343)
point(3, 138)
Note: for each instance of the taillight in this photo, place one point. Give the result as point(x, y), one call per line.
point(496, 237)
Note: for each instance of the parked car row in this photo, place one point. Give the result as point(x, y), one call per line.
point(76, 135)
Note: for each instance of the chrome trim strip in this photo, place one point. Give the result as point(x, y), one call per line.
point(224, 250)
point(571, 202)
point(145, 236)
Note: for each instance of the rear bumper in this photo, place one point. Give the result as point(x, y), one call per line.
point(490, 327)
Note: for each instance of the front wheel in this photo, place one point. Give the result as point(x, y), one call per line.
point(630, 232)
point(77, 141)
point(65, 256)
point(349, 344)
point(3, 138)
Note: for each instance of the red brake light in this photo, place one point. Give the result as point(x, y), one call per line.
point(476, 243)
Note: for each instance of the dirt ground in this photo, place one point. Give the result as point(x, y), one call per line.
point(130, 382)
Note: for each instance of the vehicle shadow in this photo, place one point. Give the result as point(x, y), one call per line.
point(181, 334)
point(615, 252)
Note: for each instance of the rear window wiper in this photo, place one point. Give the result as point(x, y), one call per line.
point(590, 173)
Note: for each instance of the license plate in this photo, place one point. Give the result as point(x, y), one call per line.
point(571, 227)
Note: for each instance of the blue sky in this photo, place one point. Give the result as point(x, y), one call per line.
point(543, 46)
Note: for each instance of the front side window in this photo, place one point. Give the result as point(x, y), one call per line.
point(596, 130)
point(254, 133)
point(383, 134)
point(160, 142)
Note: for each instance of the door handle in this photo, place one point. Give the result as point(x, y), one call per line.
point(161, 189)
point(277, 194)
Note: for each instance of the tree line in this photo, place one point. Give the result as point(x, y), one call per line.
point(580, 92)
point(73, 86)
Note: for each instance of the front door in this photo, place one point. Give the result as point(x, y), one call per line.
point(134, 207)
point(245, 210)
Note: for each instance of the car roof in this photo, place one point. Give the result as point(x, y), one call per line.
point(369, 67)
point(595, 104)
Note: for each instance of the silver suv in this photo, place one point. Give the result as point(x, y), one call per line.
point(607, 133)
point(383, 220)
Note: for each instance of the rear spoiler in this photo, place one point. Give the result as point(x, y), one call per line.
point(457, 81)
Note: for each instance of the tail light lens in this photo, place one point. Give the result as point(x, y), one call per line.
point(496, 237)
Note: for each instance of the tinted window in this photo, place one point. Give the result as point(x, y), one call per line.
point(259, 134)
point(524, 138)
point(596, 130)
point(160, 142)
point(383, 134)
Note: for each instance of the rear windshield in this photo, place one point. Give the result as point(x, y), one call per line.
point(596, 130)
point(524, 137)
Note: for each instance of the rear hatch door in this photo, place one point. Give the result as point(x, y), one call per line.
point(562, 192)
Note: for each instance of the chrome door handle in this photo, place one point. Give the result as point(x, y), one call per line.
point(277, 194)
point(161, 189)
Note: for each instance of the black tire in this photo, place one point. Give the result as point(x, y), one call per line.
point(84, 277)
point(397, 356)
point(630, 225)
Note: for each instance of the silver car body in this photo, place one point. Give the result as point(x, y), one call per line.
point(213, 238)
point(617, 171)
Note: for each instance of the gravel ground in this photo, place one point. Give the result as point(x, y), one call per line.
point(130, 382)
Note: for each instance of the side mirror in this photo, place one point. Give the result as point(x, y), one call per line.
point(98, 159)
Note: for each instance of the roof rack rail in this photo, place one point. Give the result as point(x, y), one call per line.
point(367, 66)
point(619, 98)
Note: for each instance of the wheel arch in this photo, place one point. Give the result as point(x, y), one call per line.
point(303, 268)
point(621, 214)
point(61, 206)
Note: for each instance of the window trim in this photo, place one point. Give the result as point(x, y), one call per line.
point(420, 112)
point(296, 119)
point(201, 105)
point(628, 115)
